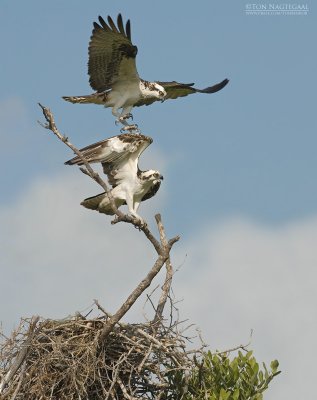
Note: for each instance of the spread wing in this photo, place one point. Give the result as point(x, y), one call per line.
point(111, 54)
point(176, 89)
point(118, 155)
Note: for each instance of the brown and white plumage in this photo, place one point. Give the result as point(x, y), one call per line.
point(111, 54)
point(175, 89)
point(113, 73)
point(119, 157)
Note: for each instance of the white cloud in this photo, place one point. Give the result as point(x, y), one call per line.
point(57, 257)
point(240, 276)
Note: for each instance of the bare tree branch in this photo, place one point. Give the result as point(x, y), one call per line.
point(169, 273)
point(50, 124)
point(241, 346)
point(88, 170)
point(164, 255)
point(162, 247)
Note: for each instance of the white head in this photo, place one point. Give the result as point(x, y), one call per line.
point(151, 176)
point(152, 89)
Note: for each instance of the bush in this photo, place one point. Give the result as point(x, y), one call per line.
point(217, 377)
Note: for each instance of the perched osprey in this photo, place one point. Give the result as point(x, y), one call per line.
point(113, 74)
point(119, 157)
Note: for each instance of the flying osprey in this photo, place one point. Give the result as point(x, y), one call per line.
point(113, 74)
point(119, 157)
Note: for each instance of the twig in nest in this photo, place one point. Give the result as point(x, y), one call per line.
point(65, 362)
point(21, 355)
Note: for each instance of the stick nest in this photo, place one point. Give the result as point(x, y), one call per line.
point(65, 359)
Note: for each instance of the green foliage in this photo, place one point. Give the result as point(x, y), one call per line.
point(217, 377)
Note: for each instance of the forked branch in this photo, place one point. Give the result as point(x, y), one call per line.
point(162, 246)
point(88, 170)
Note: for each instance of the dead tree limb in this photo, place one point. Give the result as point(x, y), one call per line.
point(162, 246)
point(163, 257)
point(51, 125)
point(168, 277)
point(145, 283)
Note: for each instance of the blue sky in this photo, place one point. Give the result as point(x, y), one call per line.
point(240, 161)
point(249, 149)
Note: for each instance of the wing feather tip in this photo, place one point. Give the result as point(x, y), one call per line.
point(128, 29)
point(112, 24)
point(215, 88)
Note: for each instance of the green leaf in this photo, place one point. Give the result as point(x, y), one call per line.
point(274, 365)
point(266, 373)
point(223, 395)
point(249, 354)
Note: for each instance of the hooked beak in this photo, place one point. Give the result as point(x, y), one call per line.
point(163, 98)
point(162, 177)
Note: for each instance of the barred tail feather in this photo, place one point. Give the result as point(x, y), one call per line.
point(101, 203)
point(95, 98)
point(93, 202)
point(78, 99)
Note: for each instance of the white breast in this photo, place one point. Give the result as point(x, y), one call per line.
point(124, 93)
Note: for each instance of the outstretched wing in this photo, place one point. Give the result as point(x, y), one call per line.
point(176, 89)
point(111, 54)
point(118, 155)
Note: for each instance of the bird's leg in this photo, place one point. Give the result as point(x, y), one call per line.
point(118, 115)
point(123, 116)
point(122, 119)
point(140, 219)
point(132, 209)
point(126, 114)
point(136, 206)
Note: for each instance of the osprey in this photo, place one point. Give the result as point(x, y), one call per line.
point(113, 74)
point(119, 156)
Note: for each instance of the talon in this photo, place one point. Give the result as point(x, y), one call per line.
point(126, 116)
point(131, 128)
point(139, 222)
